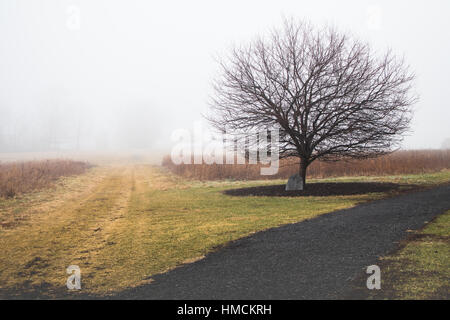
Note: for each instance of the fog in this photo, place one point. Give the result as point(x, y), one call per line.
point(110, 75)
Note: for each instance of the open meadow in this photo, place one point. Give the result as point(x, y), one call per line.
point(123, 224)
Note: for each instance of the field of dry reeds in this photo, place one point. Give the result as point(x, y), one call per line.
point(22, 177)
point(397, 163)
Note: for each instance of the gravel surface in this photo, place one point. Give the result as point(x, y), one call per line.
point(314, 259)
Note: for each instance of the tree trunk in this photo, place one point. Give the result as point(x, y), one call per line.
point(302, 170)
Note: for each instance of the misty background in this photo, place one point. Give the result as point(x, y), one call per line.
point(115, 75)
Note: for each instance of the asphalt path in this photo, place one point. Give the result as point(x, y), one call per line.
point(315, 259)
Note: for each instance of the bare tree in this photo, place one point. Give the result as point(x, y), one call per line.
point(329, 94)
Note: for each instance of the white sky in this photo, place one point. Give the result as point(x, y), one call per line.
point(133, 71)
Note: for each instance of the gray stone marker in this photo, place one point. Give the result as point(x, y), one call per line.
point(295, 182)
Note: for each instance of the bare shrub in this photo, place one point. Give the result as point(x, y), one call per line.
point(400, 162)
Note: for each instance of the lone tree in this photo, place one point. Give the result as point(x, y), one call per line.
point(329, 94)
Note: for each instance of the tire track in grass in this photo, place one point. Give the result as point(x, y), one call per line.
point(35, 256)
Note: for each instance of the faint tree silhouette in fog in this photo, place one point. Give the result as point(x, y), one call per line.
point(446, 144)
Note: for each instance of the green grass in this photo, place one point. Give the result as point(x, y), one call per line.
point(421, 268)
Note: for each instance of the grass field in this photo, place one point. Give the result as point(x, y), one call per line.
point(123, 224)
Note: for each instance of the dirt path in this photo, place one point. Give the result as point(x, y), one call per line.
point(99, 221)
point(314, 259)
point(68, 226)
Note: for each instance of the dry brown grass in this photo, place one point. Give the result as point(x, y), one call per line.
point(22, 177)
point(400, 162)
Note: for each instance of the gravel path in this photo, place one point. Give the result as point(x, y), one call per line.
point(314, 259)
